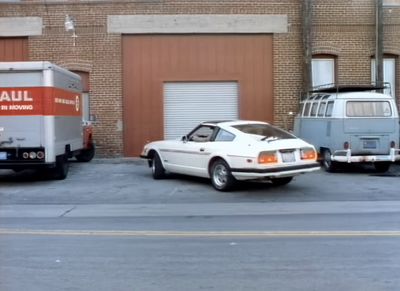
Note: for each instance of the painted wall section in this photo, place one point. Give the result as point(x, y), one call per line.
point(20, 26)
point(144, 24)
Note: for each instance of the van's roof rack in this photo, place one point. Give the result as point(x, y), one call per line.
point(345, 88)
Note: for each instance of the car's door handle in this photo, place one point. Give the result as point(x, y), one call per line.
point(202, 149)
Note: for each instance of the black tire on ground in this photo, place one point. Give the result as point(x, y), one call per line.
point(382, 167)
point(86, 155)
point(281, 181)
point(327, 163)
point(157, 167)
point(60, 172)
point(221, 176)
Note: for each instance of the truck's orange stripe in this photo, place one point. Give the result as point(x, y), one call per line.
point(39, 101)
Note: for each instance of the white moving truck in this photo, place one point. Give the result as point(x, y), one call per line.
point(41, 124)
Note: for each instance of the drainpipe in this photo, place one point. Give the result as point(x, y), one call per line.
point(379, 43)
point(307, 45)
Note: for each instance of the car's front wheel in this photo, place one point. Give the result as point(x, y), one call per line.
point(221, 176)
point(157, 168)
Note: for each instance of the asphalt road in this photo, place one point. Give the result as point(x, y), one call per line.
point(109, 226)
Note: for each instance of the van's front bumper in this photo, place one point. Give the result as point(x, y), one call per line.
point(345, 156)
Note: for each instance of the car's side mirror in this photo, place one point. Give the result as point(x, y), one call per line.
point(184, 138)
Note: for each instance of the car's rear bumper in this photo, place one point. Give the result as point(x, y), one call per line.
point(276, 172)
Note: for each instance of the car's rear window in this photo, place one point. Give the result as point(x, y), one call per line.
point(265, 130)
point(368, 109)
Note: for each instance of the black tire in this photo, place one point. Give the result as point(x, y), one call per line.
point(60, 172)
point(86, 155)
point(327, 163)
point(281, 181)
point(221, 176)
point(382, 167)
point(157, 167)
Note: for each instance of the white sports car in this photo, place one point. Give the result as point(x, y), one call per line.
point(227, 151)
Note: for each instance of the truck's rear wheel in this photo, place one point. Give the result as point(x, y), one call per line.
point(60, 172)
point(86, 155)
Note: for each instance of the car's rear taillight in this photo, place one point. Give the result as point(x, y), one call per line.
point(308, 154)
point(269, 157)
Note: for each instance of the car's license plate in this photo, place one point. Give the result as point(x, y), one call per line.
point(288, 157)
point(369, 144)
point(3, 155)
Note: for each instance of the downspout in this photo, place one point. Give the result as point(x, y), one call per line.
point(307, 45)
point(379, 43)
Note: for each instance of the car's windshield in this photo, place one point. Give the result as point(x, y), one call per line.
point(267, 131)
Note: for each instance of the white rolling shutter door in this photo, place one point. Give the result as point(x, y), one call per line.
point(186, 104)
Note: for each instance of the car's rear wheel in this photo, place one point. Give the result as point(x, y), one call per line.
point(381, 167)
point(157, 168)
point(327, 163)
point(281, 181)
point(221, 176)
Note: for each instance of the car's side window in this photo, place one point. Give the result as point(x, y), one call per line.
point(224, 135)
point(202, 134)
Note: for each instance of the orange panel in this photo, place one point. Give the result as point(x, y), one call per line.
point(39, 101)
point(151, 60)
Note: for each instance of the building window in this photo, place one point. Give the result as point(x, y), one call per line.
point(389, 73)
point(391, 2)
point(323, 70)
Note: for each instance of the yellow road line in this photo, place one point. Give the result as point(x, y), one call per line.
point(260, 234)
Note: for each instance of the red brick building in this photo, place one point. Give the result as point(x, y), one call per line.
point(151, 68)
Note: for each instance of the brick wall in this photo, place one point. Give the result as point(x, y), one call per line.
point(345, 28)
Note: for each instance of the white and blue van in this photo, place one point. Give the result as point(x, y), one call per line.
point(350, 124)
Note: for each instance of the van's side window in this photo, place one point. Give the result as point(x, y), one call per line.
point(314, 109)
point(368, 109)
point(301, 109)
point(321, 109)
point(329, 109)
point(307, 109)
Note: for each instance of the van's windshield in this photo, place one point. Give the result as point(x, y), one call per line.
point(368, 109)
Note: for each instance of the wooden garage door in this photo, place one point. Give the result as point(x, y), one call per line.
point(13, 49)
point(149, 61)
